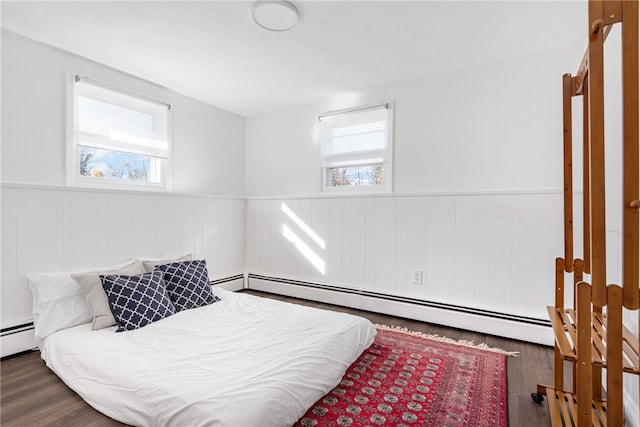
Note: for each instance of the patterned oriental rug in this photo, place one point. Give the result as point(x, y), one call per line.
point(412, 379)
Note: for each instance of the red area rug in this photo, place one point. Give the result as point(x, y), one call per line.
point(409, 379)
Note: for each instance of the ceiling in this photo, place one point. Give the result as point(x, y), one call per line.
point(214, 52)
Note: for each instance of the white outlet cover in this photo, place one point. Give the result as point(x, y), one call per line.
point(416, 275)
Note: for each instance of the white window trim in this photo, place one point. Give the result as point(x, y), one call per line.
point(387, 154)
point(72, 160)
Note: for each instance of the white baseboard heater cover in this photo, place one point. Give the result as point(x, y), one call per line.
point(509, 326)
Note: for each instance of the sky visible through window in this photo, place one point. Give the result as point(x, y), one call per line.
point(357, 175)
point(114, 164)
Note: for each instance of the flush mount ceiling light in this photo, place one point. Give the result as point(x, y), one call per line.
point(275, 15)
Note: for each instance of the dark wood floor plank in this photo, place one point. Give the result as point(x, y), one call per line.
point(32, 395)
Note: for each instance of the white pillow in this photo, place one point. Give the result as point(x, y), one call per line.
point(96, 296)
point(58, 301)
point(148, 265)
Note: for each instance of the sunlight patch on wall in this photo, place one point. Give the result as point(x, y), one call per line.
point(304, 249)
point(303, 226)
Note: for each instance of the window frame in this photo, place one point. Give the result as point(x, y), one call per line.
point(74, 178)
point(359, 158)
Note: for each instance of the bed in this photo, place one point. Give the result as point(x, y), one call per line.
point(242, 361)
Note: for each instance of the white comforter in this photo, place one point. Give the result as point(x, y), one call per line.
point(244, 362)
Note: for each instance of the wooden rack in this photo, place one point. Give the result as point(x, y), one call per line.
point(591, 334)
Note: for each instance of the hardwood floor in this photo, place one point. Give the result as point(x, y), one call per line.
point(32, 395)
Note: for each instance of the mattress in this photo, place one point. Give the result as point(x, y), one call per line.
point(243, 361)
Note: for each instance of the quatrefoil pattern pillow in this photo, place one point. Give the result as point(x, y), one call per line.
point(137, 301)
point(188, 284)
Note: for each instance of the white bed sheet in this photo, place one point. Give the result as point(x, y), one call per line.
point(244, 361)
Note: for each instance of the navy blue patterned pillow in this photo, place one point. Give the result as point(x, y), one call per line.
point(136, 301)
point(188, 284)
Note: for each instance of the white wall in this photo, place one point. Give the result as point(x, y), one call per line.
point(487, 251)
point(47, 226)
point(493, 128)
point(477, 190)
point(55, 228)
point(207, 142)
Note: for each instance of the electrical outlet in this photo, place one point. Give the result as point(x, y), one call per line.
point(416, 275)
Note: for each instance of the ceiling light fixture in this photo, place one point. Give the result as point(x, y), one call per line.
point(275, 15)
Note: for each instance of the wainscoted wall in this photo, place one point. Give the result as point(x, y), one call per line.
point(50, 228)
point(207, 143)
point(489, 251)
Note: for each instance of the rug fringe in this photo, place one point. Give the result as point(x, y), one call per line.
point(437, 337)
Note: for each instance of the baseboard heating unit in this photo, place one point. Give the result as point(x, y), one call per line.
point(479, 320)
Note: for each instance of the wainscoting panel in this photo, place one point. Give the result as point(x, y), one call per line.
point(9, 254)
point(491, 251)
point(46, 229)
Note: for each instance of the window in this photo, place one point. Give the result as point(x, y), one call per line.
point(356, 149)
point(119, 140)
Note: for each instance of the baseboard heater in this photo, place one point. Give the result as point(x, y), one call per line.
point(496, 323)
point(226, 280)
point(16, 339)
point(432, 304)
point(16, 329)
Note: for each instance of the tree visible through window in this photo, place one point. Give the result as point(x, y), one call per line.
point(113, 164)
point(357, 175)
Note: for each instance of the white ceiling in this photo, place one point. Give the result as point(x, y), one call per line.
point(214, 52)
